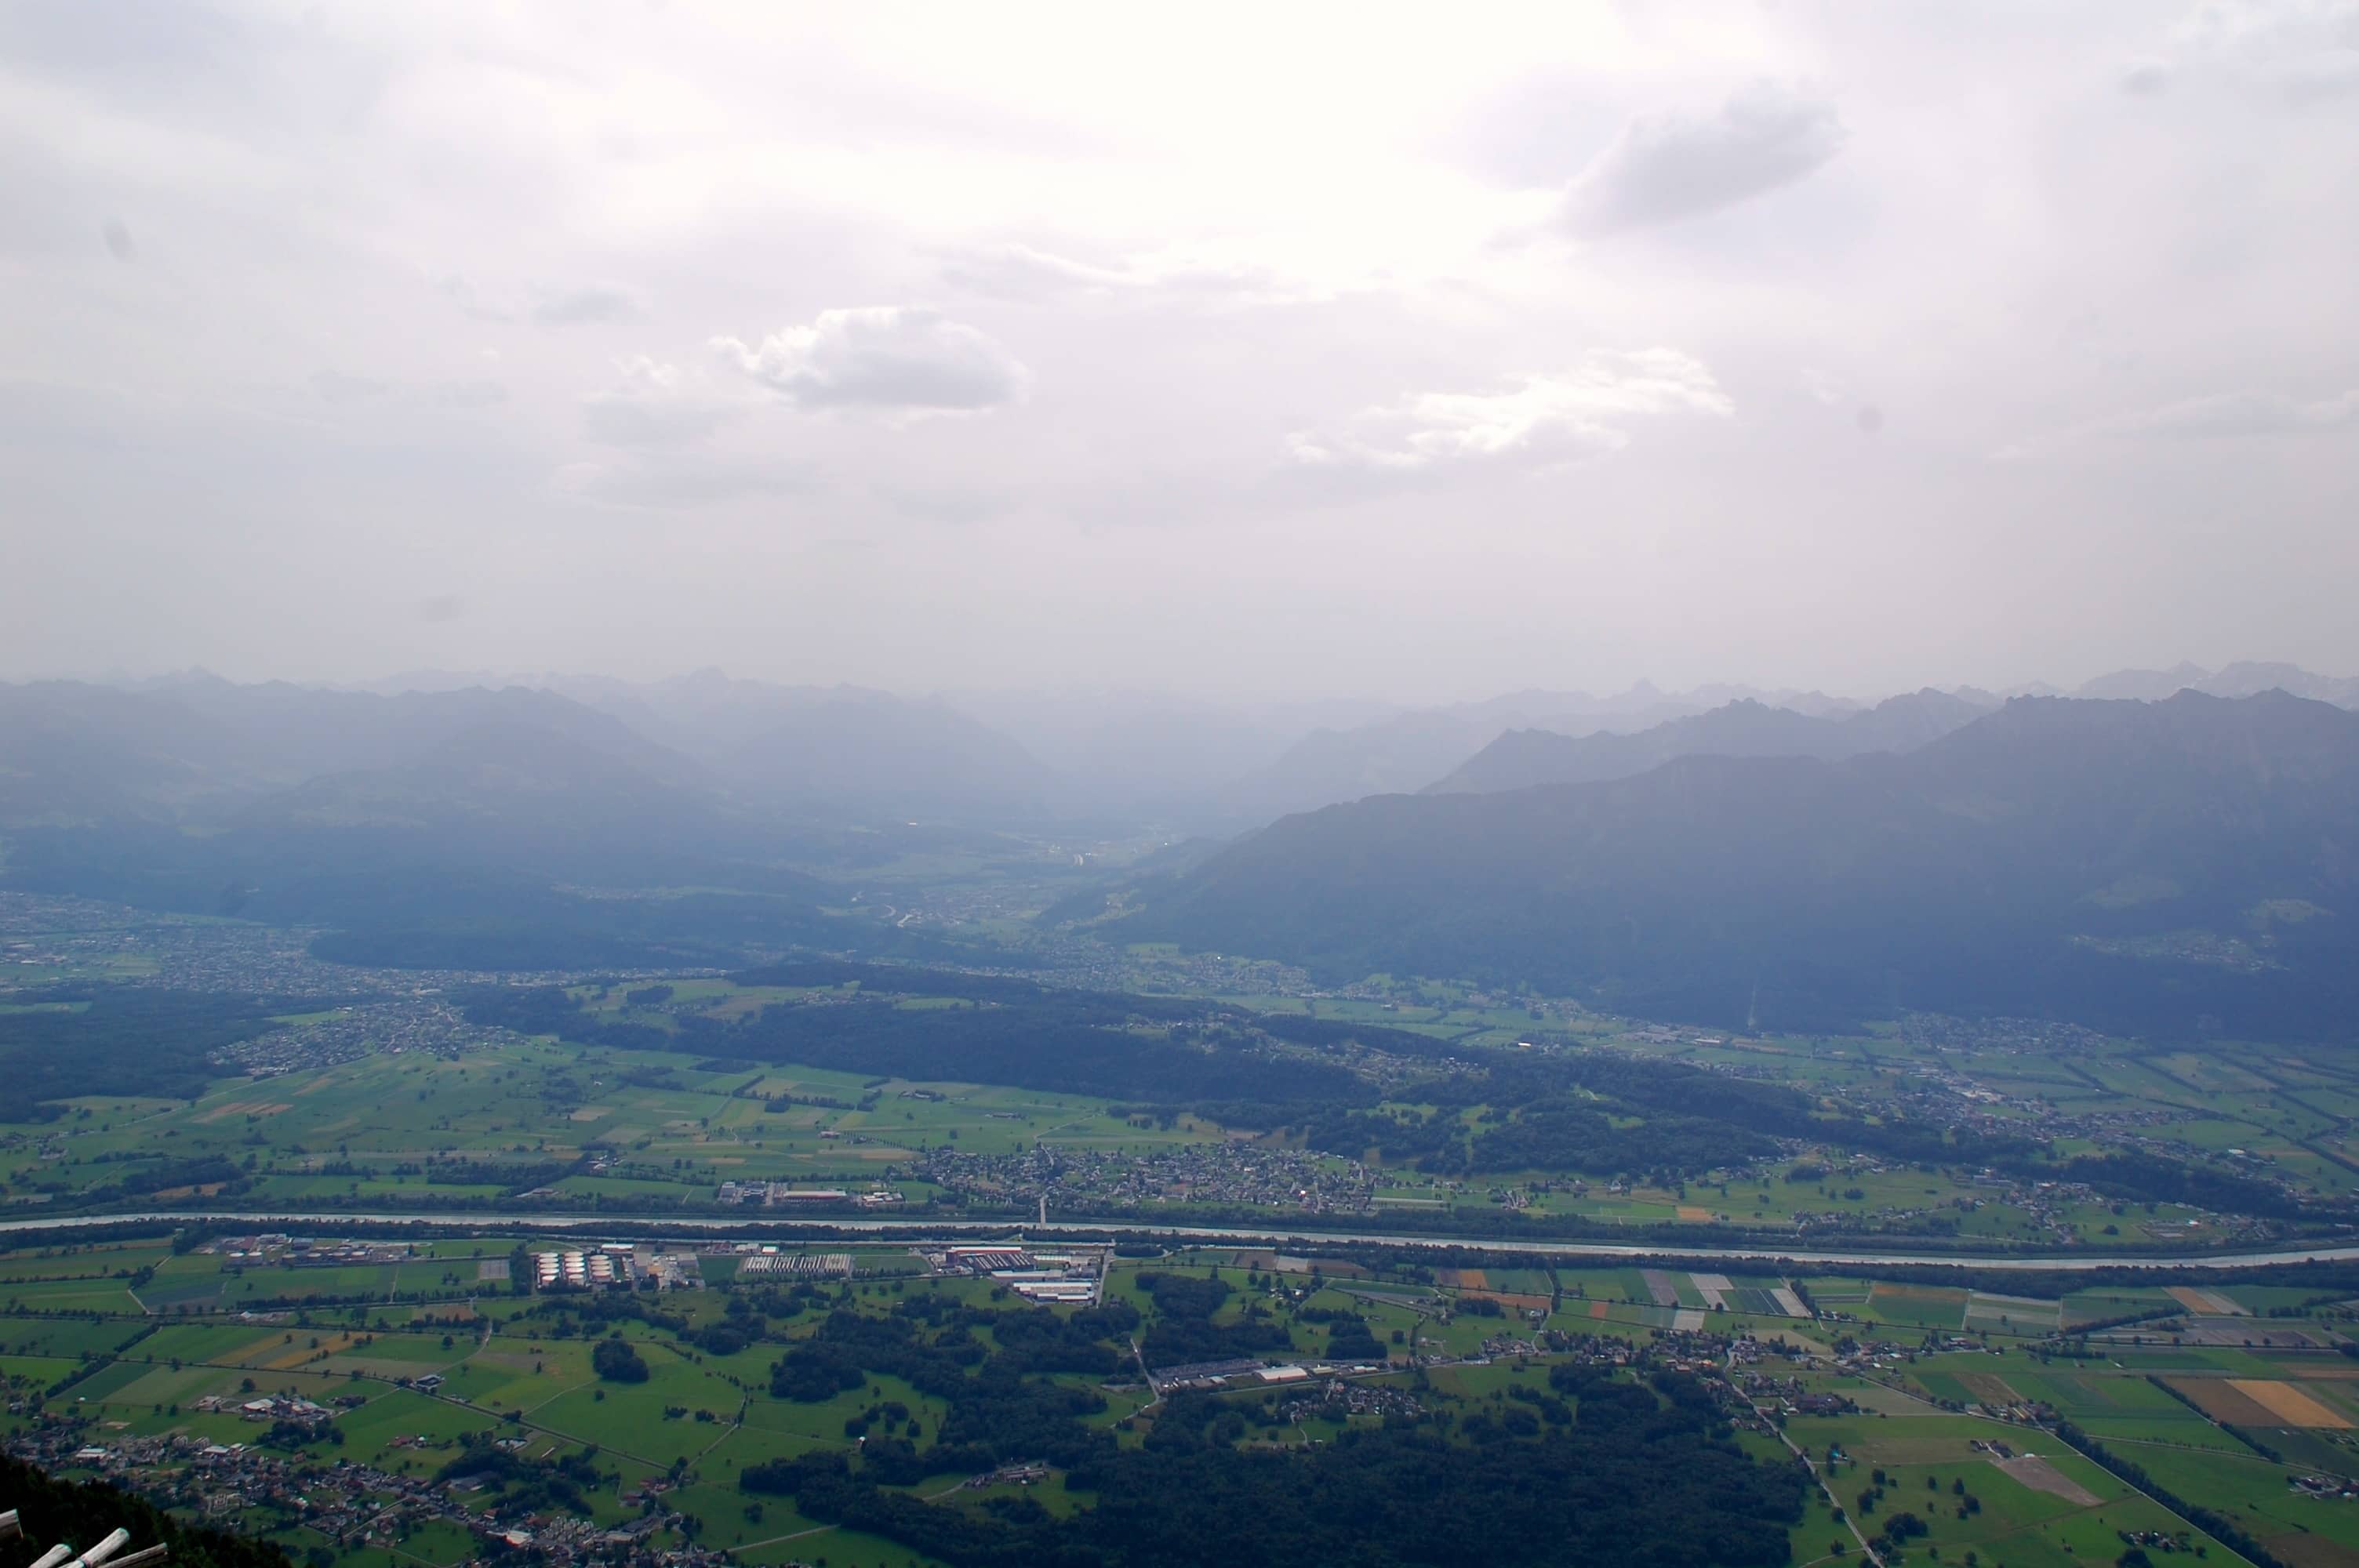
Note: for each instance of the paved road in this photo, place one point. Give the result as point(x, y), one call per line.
point(1809, 1463)
point(922, 1229)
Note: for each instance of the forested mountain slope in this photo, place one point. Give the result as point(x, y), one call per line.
point(2173, 867)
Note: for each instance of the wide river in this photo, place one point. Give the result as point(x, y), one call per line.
point(918, 1229)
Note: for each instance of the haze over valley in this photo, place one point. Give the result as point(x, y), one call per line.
point(1079, 786)
point(2154, 851)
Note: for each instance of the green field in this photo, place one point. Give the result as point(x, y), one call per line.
point(1928, 1385)
point(526, 1122)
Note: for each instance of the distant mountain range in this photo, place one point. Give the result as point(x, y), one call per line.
point(2247, 679)
point(196, 749)
point(1406, 751)
point(841, 752)
point(1526, 738)
point(2176, 867)
point(388, 810)
point(1522, 758)
point(75, 752)
point(470, 826)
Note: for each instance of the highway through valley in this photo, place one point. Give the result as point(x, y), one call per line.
point(769, 1227)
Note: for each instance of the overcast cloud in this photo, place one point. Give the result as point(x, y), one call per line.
point(1263, 351)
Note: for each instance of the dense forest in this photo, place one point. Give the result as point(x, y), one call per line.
point(1598, 1112)
point(78, 1512)
point(1482, 1111)
point(1004, 1032)
point(1598, 1470)
point(2050, 860)
point(68, 1041)
point(1184, 1331)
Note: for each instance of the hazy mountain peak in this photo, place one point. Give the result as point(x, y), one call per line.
point(2143, 685)
point(1746, 726)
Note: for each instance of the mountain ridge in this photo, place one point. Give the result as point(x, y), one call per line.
point(2103, 860)
point(1522, 758)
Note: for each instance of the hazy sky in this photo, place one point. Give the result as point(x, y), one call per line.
point(1265, 349)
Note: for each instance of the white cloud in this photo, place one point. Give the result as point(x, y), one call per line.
point(1021, 272)
point(1199, 274)
point(892, 357)
point(1217, 247)
point(1545, 419)
point(651, 405)
point(1671, 165)
point(2228, 415)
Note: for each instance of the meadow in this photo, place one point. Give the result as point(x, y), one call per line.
point(523, 1122)
point(1953, 1383)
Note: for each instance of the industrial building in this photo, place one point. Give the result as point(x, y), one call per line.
point(984, 1259)
point(1063, 1278)
point(796, 1265)
point(576, 1270)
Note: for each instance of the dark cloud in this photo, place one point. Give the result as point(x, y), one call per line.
point(119, 244)
point(2302, 52)
point(460, 291)
point(657, 483)
point(339, 390)
point(463, 393)
point(2231, 415)
point(590, 304)
point(944, 503)
point(1673, 165)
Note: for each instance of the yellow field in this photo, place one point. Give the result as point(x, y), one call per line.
point(245, 1108)
point(2288, 1403)
point(2206, 1302)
